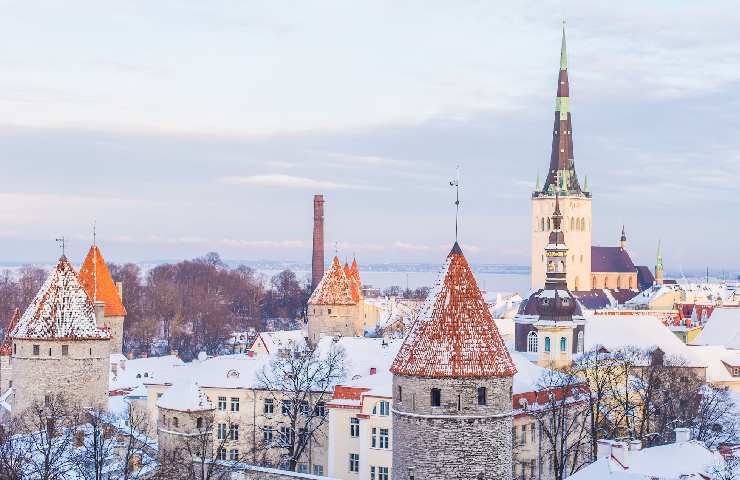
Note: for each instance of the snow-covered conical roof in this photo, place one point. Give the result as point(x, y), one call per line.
point(455, 335)
point(61, 310)
point(98, 283)
point(335, 287)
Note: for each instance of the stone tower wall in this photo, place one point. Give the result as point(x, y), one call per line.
point(6, 373)
point(459, 439)
point(115, 326)
point(171, 436)
point(81, 375)
point(578, 264)
point(344, 320)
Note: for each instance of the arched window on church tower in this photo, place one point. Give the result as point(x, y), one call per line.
point(572, 223)
point(548, 224)
point(532, 342)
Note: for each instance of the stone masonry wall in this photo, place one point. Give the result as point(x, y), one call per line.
point(459, 439)
point(115, 324)
point(81, 375)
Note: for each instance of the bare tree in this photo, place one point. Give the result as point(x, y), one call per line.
point(13, 451)
point(562, 414)
point(96, 443)
point(136, 453)
point(301, 380)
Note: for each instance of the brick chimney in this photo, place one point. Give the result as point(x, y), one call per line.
point(317, 260)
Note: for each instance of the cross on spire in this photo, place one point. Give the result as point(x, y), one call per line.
point(60, 241)
point(456, 183)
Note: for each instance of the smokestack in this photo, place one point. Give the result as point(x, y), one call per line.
point(317, 261)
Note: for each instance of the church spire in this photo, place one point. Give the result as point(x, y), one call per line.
point(623, 239)
point(659, 266)
point(561, 156)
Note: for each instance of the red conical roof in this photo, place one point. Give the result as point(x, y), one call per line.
point(335, 287)
point(98, 283)
point(455, 335)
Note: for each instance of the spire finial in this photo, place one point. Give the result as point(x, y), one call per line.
point(659, 259)
point(537, 185)
point(456, 183)
point(563, 52)
point(60, 241)
point(336, 249)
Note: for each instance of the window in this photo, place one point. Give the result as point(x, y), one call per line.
point(269, 407)
point(547, 344)
point(321, 409)
point(436, 399)
point(222, 431)
point(523, 438)
point(580, 342)
point(513, 435)
point(329, 311)
point(267, 435)
point(354, 427)
point(384, 440)
point(234, 431)
point(532, 468)
point(15, 349)
point(65, 350)
point(286, 406)
point(318, 470)
point(383, 473)
point(234, 404)
point(399, 393)
point(532, 342)
point(563, 344)
point(354, 462)
point(304, 407)
point(374, 438)
point(175, 422)
point(482, 400)
point(233, 454)
point(287, 435)
point(372, 472)
point(221, 453)
point(199, 423)
point(302, 468)
point(385, 408)
point(36, 350)
point(159, 395)
point(532, 432)
point(222, 404)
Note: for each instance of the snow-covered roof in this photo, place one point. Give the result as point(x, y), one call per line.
point(527, 373)
point(185, 396)
point(645, 332)
point(5, 348)
point(455, 335)
point(722, 328)
point(684, 460)
point(335, 288)
point(60, 310)
point(717, 358)
point(644, 298)
point(98, 283)
point(128, 374)
point(274, 341)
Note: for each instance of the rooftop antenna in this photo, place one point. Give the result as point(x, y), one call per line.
point(60, 242)
point(456, 183)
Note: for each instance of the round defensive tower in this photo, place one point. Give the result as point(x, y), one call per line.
point(452, 386)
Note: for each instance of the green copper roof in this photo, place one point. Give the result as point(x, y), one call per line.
point(563, 53)
point(659, 260)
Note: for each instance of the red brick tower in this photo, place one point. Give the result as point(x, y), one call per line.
point(317, 261)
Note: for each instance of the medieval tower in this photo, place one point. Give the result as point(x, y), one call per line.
point(317, 259)
point(58, 347)
point(98, 283)
point(452, 386)
point(575, 201)
point(336, 307)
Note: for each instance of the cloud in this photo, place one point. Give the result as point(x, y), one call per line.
point(290, 181)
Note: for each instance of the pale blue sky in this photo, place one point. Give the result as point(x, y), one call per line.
point(184, 127)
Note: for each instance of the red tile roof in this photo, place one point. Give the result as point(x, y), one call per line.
point(98, 283)
point(5, 349)
point(60, 310)
point(335, 287)
point(455, 335)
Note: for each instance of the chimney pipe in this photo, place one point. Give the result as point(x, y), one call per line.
point(317, 260)
point(603, 449)
point(683, 435)
point(635, 445)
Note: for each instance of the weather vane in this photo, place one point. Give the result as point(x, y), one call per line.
point(456, 183)
point(60, 241)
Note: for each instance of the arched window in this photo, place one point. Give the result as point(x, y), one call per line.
point(436, 397)
point(542, 224)
point(532, 342)
point(580, 342)
point(631, 284)
point(583, 224)
point(563, 344)
point(572, 223)
point(561, 266)
point(548, 224)
point(547, 344)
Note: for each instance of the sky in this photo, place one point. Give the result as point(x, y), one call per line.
point(182, 127)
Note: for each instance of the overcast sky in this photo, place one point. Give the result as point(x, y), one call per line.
point(189, 126)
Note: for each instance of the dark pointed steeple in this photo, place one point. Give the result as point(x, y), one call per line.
point(562, 166)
